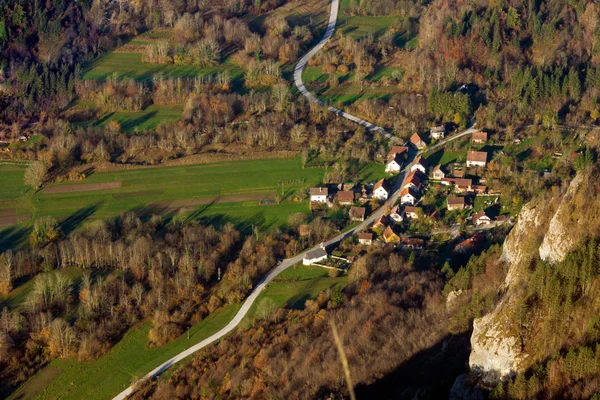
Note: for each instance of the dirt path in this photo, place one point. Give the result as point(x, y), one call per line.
point(86, 187)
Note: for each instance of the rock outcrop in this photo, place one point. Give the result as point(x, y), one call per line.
point(557, 241)
point(542, 231)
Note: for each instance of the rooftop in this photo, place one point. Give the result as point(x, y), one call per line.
point(477, 156)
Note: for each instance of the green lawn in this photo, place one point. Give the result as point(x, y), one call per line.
point(127, 361)
point(156, 188)
point(130, 65)
point(296, 285)
point(12, 186)
point(134, 121)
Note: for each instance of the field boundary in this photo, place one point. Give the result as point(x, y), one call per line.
point(84, 187)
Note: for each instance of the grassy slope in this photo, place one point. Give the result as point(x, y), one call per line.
point(130, 65)
point(127, 361)
point(130, 359)
point(11, 183)
point(134, 121)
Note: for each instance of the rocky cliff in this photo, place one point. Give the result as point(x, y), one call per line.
point(546, 229)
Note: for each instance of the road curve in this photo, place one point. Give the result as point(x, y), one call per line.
point(285, 264)
point(335, 5)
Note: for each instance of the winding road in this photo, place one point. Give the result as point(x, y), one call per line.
point(285, 264)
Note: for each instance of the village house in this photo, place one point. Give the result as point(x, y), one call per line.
point(420, 164)
point(456, 203)
point(315, 256)
point(345, 198)
point(357, 213)
point(479, 137)
point(413, 181)
point(470, 244)
point(461, 185)
point(412, 212)
point(319, 195)
point(402, 151)
point(435, 215)
point(397, 214)
point(381, 222)
point(381, 190)
point(417, 142)
point(438, 173)
point(480, 189)
point(394, 164)
point(458, 173)
point(481, 218)
point(476, 159)
point(437, 132)
point(390, 236)
point(365, 238)
point(408, 197)
point(413, 243)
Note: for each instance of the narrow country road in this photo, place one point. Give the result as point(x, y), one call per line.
point(335, 5)
point(285, 264)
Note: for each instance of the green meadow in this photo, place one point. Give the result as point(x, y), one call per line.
point(129, 360)
point(155, 190)
point(138, 121)
point(130, 65)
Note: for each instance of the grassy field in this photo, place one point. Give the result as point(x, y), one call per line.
point(11, 183)
point(134, 121)
point(296, 285)
point(129, 360)
point(130, 65)
point(158, 188)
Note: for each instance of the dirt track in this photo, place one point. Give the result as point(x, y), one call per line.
point(220, 199)
point(86, 187)
point(13, 219)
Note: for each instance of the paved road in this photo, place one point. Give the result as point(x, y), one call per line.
point(335, 5)
point(285, 264)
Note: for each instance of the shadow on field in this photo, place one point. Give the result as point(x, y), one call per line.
point(12, 237)
point(74, 221)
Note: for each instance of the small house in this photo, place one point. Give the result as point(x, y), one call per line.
point(390, 236)
point(420, 164)
point(456, 203)
point(476, 158)
point(402, 151)
point(438, 173)
point(435, 215)
point(319, 195)
point(357, 213)
point(458, 173)
point(481, 218)
point(408, 197)
point(397, 214)
point(417, 142)
point(470, 244)
point(365, 238)
point(480, 189)
point(345, 197)
point(381, 222)
point(413, 181)
point(413, 243)
point(381, 190)
point(479, 137)
point(394, 164)
point(315, 256)
point(460, 184)
point(437, 132)
point(412, 212)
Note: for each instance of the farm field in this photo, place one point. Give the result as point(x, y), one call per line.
point(134, 121)
point(125, 362)
point(130, 65)
point(296, 285)
point(163, 189)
